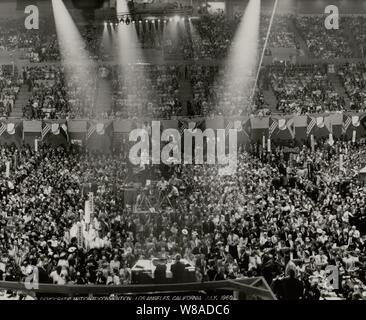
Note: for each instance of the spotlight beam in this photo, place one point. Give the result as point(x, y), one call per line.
point(242, 59)
point(263, 50)
point(74, 56)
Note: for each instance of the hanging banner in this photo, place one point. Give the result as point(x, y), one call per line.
point(7, 170)
point(91, 200)
point(340, 162)
point(87, 212)
point(79, 235)
point(330, 140)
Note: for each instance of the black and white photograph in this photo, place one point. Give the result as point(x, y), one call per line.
point(183, 156)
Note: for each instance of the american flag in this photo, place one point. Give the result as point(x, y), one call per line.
point(64, 128)
point(90, 132)
point(291, 128)
point(346, 123)
point(246, 128)
point(2, 128)
point(46, 129)
point(183, 126)
point(311, 125)
point(273, 127)
point(230, 125)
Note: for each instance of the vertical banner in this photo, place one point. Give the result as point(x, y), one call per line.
point(354, 134)
point(291, 159)
point(15, 158)
point(7, 171)
point(36, 145)
point(91, 199)
point(79, 234)
point(341, 162)
point(264, 142)
point(87, 212)
point(312, 142)
point(269, 145)
point(331, 141)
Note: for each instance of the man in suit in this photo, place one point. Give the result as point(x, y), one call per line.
point(160, 273)
point(292, 287)
point(178, 270)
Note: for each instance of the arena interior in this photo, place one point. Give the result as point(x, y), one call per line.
point(77, 77)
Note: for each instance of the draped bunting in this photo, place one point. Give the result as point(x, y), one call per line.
point(274, 123)
point(215, 123)
point(123, 126)
point(282, 127)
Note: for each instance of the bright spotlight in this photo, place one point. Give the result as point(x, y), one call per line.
point(74, 56)
point(242, 60)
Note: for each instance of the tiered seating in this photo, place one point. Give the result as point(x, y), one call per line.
point(304, 89)
point(354, 80)
point(324, 43)
point(145, 90)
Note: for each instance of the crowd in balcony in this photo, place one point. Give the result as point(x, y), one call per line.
point(353, 77)
point(58, 94)
point(305, 89)
point(9, 88)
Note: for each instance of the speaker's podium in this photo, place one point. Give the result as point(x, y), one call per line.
point(158, 271)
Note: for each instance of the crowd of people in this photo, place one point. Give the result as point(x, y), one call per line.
point(155, 90)
point(54, 95)
point(9, 88)
point(287, 214)
point(356, 25)
point(282, 34)
point(146, 91)
point(325, 43)
point(208, 37)
point(39, 45)
point(353, 77)
point(212, 36)
point(305, 89)
point(280, 215)
point(211, 95)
